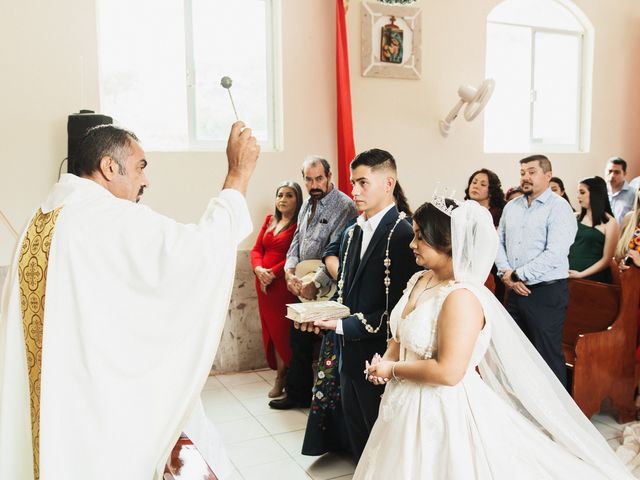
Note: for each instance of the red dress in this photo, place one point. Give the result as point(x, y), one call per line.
point(270, 252)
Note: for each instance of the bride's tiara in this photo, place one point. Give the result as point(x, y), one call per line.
point(439, 198)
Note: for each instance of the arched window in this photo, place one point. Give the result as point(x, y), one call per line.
point(540, 54)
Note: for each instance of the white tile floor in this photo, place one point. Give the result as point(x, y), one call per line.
point(262, 443)
point(265, 444)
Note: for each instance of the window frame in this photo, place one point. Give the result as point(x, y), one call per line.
point(585, 52)
point(578, 133)
point(274, 140)
point(274, 90)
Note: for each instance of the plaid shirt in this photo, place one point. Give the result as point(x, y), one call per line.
point(333, 211)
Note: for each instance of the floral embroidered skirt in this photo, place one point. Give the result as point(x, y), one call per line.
point(326, 430)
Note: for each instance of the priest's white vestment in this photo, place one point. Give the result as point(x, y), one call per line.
point(135, 307)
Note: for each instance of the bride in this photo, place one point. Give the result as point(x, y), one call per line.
point(440, 417)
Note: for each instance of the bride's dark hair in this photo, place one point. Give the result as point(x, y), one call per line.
point(435, 225)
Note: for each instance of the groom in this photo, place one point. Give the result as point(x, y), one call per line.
point(375, 265)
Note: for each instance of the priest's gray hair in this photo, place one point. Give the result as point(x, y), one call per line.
point(99, 142)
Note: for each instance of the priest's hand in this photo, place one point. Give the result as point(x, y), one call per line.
point(309, 291)
point(242, 155)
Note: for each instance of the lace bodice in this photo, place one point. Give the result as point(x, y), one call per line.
point(418, 331)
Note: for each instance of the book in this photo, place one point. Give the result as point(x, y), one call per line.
point(315, 311)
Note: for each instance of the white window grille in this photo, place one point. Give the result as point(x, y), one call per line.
point(161, 64)
point(539, 53)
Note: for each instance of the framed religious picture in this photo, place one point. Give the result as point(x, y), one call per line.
point(391, 41)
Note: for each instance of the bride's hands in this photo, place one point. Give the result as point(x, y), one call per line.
point(378, 371)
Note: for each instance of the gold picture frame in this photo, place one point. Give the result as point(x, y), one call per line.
point(391, 41)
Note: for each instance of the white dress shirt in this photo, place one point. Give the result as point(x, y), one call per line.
point(369, 225)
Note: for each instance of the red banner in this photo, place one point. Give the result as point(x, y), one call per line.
point(346, 147)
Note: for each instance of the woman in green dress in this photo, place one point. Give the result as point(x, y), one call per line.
point(595, 242)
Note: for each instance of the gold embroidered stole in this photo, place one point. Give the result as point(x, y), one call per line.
point(32, 274)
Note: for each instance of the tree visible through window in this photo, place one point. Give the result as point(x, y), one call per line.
point(161, 65)
point(535, 52)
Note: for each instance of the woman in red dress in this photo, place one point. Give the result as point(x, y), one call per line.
point(267, 259)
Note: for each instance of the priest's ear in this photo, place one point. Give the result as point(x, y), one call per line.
point(108, 167)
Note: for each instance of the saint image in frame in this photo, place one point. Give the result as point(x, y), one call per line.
point(391, 42)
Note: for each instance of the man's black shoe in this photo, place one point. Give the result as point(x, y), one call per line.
point(287, 403)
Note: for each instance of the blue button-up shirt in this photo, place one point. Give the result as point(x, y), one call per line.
point(535, 240)
point(622, 201)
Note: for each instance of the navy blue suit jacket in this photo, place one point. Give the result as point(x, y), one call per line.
point(364, 289)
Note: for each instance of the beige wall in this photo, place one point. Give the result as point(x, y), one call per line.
point(40, 50)
point(45, 46)
point(41, 44)
point(402, 115)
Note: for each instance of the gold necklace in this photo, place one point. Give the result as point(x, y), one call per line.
point(415, 303)
point(428, 287)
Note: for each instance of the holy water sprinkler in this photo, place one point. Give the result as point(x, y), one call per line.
point(226, 82)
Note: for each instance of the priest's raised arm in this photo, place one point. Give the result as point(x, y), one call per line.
point(111, 365)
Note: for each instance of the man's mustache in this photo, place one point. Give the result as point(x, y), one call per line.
point(315, 191)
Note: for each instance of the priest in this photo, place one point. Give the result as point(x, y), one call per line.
point(111, 316)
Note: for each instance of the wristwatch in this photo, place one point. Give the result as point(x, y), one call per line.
point(515, 277)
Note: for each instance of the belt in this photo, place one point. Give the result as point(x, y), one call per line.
point(545, 284)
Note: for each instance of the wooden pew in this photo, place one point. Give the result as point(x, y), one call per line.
point(599, 342)
point(186, 463)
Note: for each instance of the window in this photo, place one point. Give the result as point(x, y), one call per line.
point(536, 54)
point(161, 64)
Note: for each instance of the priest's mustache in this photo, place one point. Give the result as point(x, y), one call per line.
point(316, 191)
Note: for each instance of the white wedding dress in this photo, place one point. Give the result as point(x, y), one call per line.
point(514, 422)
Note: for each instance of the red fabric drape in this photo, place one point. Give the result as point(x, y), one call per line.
point(346, 147)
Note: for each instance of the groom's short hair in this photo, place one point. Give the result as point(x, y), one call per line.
point(376, 159)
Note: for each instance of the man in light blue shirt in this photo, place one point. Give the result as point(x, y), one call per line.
point(621, 193)
point(536, 231)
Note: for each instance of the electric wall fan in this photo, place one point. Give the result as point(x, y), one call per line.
point(472, 99)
